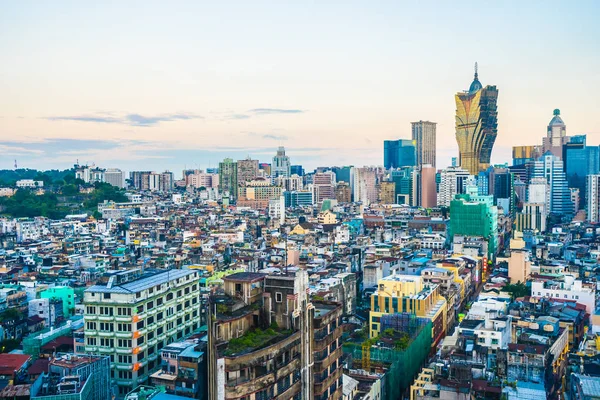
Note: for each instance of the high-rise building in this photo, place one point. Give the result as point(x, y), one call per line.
point(532, 217)
point(343, 193)
point(266, 168)
point(428, 191)
point(387, 192)
point(453, 181)
point(423, 134)
point(593, 198)
point(399, 153)
point(247, 170)
point(228, 178)
point(476, 216)
point(323, 186)
point(556, 135)
point(200, 179)
point(551, 167)
point(152, 181)
point(365, 185)
point(579, 161)
point(406, 185)
point(476, 125)
point(523, 154)
point(130, 316)
point(115, 177)
point(297, 169)
point(281, 164)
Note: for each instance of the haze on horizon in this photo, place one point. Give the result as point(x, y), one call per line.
point(156, 85)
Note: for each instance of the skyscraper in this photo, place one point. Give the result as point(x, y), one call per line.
point(423, 134)
point(476, 125)
point(579, 161)
point(428, 191)
point(593, 198)
point(228, 177)
point(281, 164)
point(323, 186)
point(399, 153)
point(551, 168)
point(247, 170)
point(365, 185)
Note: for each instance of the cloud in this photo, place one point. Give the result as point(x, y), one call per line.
point(237, 116)
point(275, 137)
point(264, 111)
point(129, 119)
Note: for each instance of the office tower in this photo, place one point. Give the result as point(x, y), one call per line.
point(399, 153)
point(476, 125)
point(406, 185)
point(483, 182)
point(115, 177)
point(551, 167)
point(452, 182)
point(523, 154)
point(593, 198)
point(228, 178)
point(423, 135)
point(387, 192)
point(538, 191)
point(428, 191)
point(298, 198)
point(454, 162)
point(579, 161)
point(504, 190)
point(365, 185)
point(323, 186)
point(556, 136)
point(476, 216)
point(297, 169)
point(532, 217)
point(520, 190)
point(247, 170)
point(130, 316)
point(281, 164)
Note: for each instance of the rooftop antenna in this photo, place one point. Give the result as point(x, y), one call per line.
point(16, 164)
point(476, 75)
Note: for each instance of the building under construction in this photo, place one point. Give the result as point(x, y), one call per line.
point(397, 353)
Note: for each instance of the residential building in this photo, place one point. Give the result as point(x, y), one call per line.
point(476, 125)
point(423, 134)
point(408, 294)
point(66, 294)
point(453, 181)
point(75, 377)
point(115, 177)
point(343, 192)
point(365, 185)
point(387, 192)
point(593, 198)
point(228, 181)
point(131, 315)
point(399, 153)
point(323, 186)
point(428, 190)
point(565, 288)
point(247, 170)
point(476, 216)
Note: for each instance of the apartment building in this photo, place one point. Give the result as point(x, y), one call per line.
point(131, 315)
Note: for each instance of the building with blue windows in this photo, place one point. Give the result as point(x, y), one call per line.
point(399, 153)
point(580, 161)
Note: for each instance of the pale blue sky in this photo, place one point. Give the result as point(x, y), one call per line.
point(178, 83)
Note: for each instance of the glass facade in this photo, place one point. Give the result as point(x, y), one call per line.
point(399, 153)
point(476, 126)
point(579, 162)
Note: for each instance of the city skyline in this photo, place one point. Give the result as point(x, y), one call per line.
point(132, 96)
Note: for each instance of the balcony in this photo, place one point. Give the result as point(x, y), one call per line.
point(90, 317)
point(123, 367)
point(123, 335)
point(123, 318)
point(106, 318)
point(105, 349)
point(120, 350)
point(106, 334)
point(91, 349)
point(320, 387)
point(327, 361)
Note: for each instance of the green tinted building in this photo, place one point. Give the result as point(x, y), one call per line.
point(66, 294)
point(475, 215)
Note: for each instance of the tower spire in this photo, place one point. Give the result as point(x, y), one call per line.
point(476, 75)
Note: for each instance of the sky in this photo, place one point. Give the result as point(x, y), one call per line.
point(183, 84)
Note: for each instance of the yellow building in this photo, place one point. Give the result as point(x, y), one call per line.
point(408, 294)
point(387, 192)
point(326, 217)
point(476, 125)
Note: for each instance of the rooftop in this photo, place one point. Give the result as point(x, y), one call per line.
point(146, 281)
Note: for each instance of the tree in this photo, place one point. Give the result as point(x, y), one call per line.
point(517, 290)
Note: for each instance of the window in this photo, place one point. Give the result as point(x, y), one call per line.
point(107, 295)
point(278, 297)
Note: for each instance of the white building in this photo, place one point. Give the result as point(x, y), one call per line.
point(29, 183)
point(569, 289)
point(277, 209)
point(593, 198)
point(453, 181)
point(365, 185)
point(115, 177)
